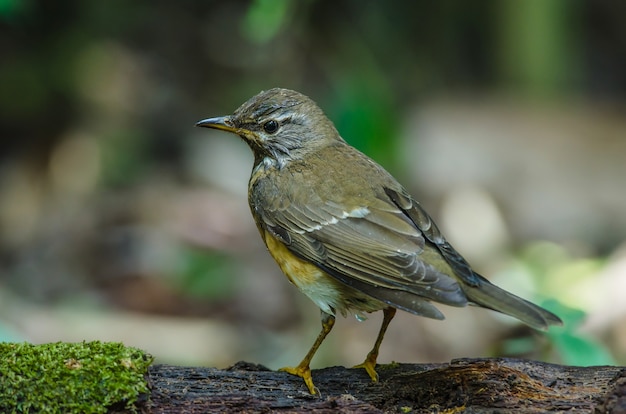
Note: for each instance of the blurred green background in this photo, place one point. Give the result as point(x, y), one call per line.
point(121, 221)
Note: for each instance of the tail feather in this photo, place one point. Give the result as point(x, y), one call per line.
point(490, 296)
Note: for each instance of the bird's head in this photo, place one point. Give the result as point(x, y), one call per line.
point(280, 124)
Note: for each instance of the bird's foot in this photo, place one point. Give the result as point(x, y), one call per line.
point(370, 366)
point(304, 372)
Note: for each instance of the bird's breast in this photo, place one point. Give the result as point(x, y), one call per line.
point(327, 293)
point(322, 289)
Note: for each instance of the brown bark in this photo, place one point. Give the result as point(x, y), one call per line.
point(464, 385)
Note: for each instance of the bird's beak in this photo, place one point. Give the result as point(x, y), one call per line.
point(221, 122)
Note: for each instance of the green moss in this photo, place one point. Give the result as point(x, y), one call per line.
point(87, 377)
point(391, 365)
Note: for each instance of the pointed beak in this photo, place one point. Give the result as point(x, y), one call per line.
point(221, 122)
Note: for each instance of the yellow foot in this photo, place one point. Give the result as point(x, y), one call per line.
point(304, 373)
point(370, 367)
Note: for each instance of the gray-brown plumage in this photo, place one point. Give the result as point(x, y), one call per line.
point(344, 231)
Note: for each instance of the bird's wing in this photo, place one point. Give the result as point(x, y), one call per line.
point(420, 218)
point(375, 243)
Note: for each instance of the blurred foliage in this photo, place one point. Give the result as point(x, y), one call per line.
point(558, 274)
point(362, 60)
point(10, 8)
point(206, 275)
point(543, 62)
point(573, 347)
point(566, 343)
point(264, 19)
point(123, 158)
point(364, 113)
point(552, 271)
point(7, 334)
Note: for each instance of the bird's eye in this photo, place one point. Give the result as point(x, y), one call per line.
point(270, 126)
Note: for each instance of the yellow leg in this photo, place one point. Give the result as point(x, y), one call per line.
point(303, 370)
point(370, 361)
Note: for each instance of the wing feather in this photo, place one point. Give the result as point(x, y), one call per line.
point(375, 245)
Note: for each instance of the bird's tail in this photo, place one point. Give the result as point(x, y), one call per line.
point(490, 296)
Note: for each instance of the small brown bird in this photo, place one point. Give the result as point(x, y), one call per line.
point(344, 231)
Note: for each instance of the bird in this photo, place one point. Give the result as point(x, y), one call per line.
point(345, 232)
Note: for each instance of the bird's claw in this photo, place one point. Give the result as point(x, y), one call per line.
point(370, 367)
point(303, 372)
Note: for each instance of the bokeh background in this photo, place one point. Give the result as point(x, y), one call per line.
point(121, 221)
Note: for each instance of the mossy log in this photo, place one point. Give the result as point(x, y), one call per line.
point(490, 385)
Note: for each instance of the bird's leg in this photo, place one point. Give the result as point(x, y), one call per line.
point(370, 361)
point(303, 370)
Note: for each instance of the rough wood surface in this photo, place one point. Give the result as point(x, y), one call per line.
point(464, 385)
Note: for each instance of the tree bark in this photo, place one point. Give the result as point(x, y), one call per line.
point(493, 385)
